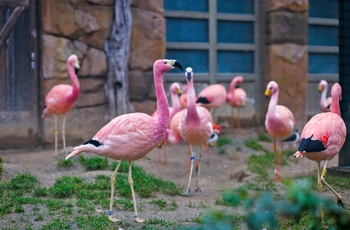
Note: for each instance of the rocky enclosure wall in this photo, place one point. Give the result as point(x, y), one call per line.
point(82, 27)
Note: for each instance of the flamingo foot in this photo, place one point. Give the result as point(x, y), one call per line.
point(187, 193)
point(198, 190)
point(298, 155)
point(277, 177)
point(139, 220)
point(112, 218)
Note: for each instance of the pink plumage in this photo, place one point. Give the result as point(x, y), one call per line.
point(183, 97)
point(173, 133)
point(325, 102)
point(323, 137)
point(279, 122)
point(236, 97)
point(212, 96)
point(196, 122)
point(131, 136)
point(61, 98)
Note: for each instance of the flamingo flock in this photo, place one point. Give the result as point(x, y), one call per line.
point(130, 137)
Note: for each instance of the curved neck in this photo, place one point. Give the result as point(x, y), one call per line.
point(75, 83)
point(175, 101)
point(323, 96)
point(162, 114)
point(232, 86)
point(273, 102)
point(192, 114)
point(335, 105)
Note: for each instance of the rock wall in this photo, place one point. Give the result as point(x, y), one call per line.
point(287, 55)
point(82, 27)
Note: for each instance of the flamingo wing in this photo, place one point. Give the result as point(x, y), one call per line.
point(56, 101)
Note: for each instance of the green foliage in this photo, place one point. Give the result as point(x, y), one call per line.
point(94, 163)
point(261, 163)
point(1, 165)
point(66, 186)
point(222, 141)
point(65, 163)
point(264, 210)
point(264, 137)
point(94, 222)
point(253, 144)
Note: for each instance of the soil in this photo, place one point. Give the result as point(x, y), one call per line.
point(224, 168)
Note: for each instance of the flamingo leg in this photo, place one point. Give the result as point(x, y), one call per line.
point(159, 146)
point(63, 131)
point(277, 173)
point(199, 169)
point(165, 154)
point(56, 135)
point(131, 182)
point(189, 162)
point(232, 120)
point(110, 212)
point(323, 180)
point(188, 190)
point(238, 120)
point(319, 188)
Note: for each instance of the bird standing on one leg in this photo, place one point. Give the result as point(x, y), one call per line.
point(323, 137)
point(236, 98)
point(61, 98)
point(195, 125)
point(279, 123)
point(325, 102)
point(131, 136)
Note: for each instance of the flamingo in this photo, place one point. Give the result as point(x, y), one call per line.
point(212, 97)
point(279, 122)
point(61, 98)
point(195, 126)
point(323, 137)
point(175, 93)
point(236, 98)
point(325, 102)
point(130, 137)
point(183, 97)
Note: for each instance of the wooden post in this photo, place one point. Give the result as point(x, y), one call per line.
point(344, 76)
point(117, 49)
point(10, 24)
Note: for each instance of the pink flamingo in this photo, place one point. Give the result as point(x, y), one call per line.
point(212, 97)
point(129, 137)
point(195, 126)
point(175, 92)
point(61, 98)
point(279, 122)
point(325, 102)
point(183, 97)
point(322, 138)
point(236, 98)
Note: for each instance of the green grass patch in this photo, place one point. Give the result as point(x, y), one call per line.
point(223, 141)
point(263, 137)
point(94, 163)
point(65, 163)
point(253, 144)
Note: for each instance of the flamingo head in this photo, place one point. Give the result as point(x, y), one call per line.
point(73, 61)
point(322, 85)
point(271, 88)
point(237, 81)
point(189, 74)
point(163, 65)
point(336, 91)
point(175, 88)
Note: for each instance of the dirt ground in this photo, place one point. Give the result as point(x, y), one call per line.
point(224, 168)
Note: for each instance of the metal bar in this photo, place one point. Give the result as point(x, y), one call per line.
point(323, 21)
point(14, 3)
point(323, 49)
point(186, 14)
point(212, 42)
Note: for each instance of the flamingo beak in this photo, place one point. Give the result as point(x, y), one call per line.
point(267, 93)
point(179, 92)
point(188, 76)
point(178, 65)
point(320, 88)
point(76, 67)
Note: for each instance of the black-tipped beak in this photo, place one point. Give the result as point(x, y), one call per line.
point(237, 86)
point(76, 70)
point(178, 65)
point(188, 76)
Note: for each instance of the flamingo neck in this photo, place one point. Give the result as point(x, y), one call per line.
point(323, 101)
point(175, 101)
point(75, 83)
point(273, 102)
point(232, 86)
point(162, 115)
point(335, 105)
point(192, 114)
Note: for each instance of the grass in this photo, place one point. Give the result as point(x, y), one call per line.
point(253, 144)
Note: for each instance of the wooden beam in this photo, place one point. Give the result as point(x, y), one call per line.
point(10, 24)
point(14, 3)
